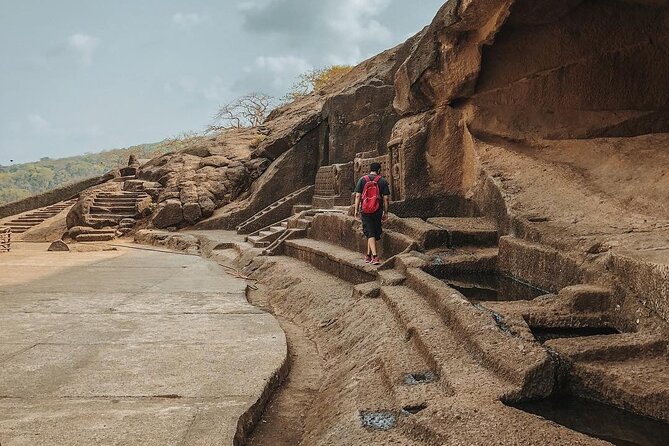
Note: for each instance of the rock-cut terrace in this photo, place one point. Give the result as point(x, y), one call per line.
point(217, 294)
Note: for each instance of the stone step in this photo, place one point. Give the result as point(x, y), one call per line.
point(276, 211)
point(118, 217)
point(344, 230)
point(101, 221)
point(24, 224)
point(102, 237)
point(637, 383)
point(526, 367)
point(470, 260)
point(28, 220)
point(405, 371)
point(467, 231)
point(440, 349)
point(97, 231)
point(129, 195)
point(18, 226)
point(277, 228)
point(40, 214)
point(122, 202)
point(277, 246)
point(300, 208)
point(117, 210)
point(332, 259)
point(121, 194)
point(427, 235)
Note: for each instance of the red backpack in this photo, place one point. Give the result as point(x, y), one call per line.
point(371, 195)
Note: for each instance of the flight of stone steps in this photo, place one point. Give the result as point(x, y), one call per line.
point(112, 213)
point(277, 211)
point(432, 348)
point(443, 286)
point(34, 218)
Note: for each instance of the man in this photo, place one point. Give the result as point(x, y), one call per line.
point(372, 197)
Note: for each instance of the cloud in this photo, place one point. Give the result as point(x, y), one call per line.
point(83, 46)
point(282, 71)
point(38, 123)
point(216, 89)
point(345, 30)
point(283, 64)
point(188, 20)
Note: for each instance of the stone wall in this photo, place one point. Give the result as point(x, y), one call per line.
point(51, 197)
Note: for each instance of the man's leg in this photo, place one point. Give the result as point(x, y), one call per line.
point(371, 246)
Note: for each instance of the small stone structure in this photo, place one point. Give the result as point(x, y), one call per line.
point(5, 239)
point(334, 185)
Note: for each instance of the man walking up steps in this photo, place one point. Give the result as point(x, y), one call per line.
point(372, 197)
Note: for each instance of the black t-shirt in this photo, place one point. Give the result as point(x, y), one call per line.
point(384, 187)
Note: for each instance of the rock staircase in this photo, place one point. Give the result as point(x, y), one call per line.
point(442, 351)
point(429, 262)
point(272, 238)
point(29, 220)
point(277, 211)
point(111, 213)
point(110, 208)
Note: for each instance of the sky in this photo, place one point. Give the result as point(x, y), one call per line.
point(81, 76)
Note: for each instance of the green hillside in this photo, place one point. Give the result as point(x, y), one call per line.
point(22, 180)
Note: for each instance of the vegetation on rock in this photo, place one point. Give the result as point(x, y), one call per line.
point(22, 180)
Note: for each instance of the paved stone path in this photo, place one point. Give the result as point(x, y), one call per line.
point(129, 347)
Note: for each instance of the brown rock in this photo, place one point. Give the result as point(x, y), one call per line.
point(207, 206)
point(215, 161)
point(143, 207)
point(192, 212)
point(58, 245)
point(188, 192)
point(168, 213)
point(200, 151)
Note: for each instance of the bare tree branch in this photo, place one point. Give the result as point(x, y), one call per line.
point(250, 110)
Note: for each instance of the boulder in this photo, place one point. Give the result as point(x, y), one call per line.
point(143, 206)
point(168, 213)
point(200, 151)
point(192, 212)
point(188, 193)
point(215, 161)
point(78, 230)
point(207, 206)
point(59, 246)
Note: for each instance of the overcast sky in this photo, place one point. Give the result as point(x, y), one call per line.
point(86, 75)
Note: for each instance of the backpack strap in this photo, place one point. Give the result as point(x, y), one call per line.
point(376, 178)
point(367, 179)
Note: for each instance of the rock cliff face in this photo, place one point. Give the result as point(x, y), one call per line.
point(548, 115)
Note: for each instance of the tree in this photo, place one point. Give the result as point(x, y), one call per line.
point(250, 110)
point(316, 80)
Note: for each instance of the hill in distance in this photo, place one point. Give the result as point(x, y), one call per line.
point(23, 180)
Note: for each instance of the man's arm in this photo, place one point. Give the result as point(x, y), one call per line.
point(386, 204)
point(357, 204)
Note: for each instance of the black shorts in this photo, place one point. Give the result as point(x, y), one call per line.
point(371, 224)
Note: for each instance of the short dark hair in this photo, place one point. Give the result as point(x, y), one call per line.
point(375, 167)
